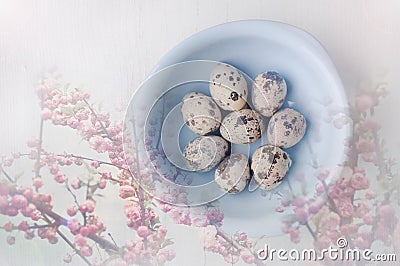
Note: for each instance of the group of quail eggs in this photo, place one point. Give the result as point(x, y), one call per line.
point(229, 92)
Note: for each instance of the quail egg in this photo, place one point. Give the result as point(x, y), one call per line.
point(200, 113)
point(242, 127)
point(228, 87)
point(205, 152)
point(286, 128)
point(233, 173)
point(269, 92)
point(269, 165)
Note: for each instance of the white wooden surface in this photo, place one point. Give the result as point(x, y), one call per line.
point(109, 46)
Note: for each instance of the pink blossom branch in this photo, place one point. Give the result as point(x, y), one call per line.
point(236, 245)
point(97, 118)
point(139, 190)
point(73, 247)
point(94, 160)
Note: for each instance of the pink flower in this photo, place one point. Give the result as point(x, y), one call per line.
point(19, 201)
point(166, 207)
point(170, 254)
point(348, 191)
point(86, 251)
point(344, 207)
point(23, 226)
point(214, 215)
point(340, 122)
point(99, 144)
point(8, 161)
point(365, 101)
point(322, 174)
point(364, 146)
point(369, 157)
point(8, 227)
point(29, 234)
point(299, 201)
point(59, 177)
point(387, 215)
point(323, 242)
point(73, 225)
point(249, 259)
point(11, 211)
point(36, 215)
point(362, 209)
point(80, 240)
point(71, 210)
point(372, 123)
point(4, 190)
point(329, 221)
point(95, 164)
point(301, 214)
point(10, 240)
point(126, 192)
point(67, 258)
point(162, 232)
point(130, 257)
point(37, 182)
point(370, 194)
point(161, 259)
point(361, 243)
point(315, 206)
point(84, 231)
point(3, 203)
point(349, 229)
point(231, 258)
point(75, 183)
point(102, 183)
point(32, 143)
point(359, 181)
point(87, 206)
point(142, 231)
point(319, 188)
point(46, 114)
point(295, 236)
point(106, 175)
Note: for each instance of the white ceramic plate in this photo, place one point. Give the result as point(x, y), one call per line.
point(253, 47)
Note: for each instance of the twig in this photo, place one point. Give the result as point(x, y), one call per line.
point(37, 168)
point(97, 118)
point(311, 231)
point(7, 175)
point(94, 160)
point(37, 226)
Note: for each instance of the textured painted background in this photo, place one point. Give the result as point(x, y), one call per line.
point(107, 47)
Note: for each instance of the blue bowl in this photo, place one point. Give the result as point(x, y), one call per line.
point(255, 46)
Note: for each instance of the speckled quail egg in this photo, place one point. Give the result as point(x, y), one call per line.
point(242, 127)
point(286, 128)
point(269, 165)
point(269, 92)
point(228, 87)
point(233, 173)
point(205, 152)
point(200, 113)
